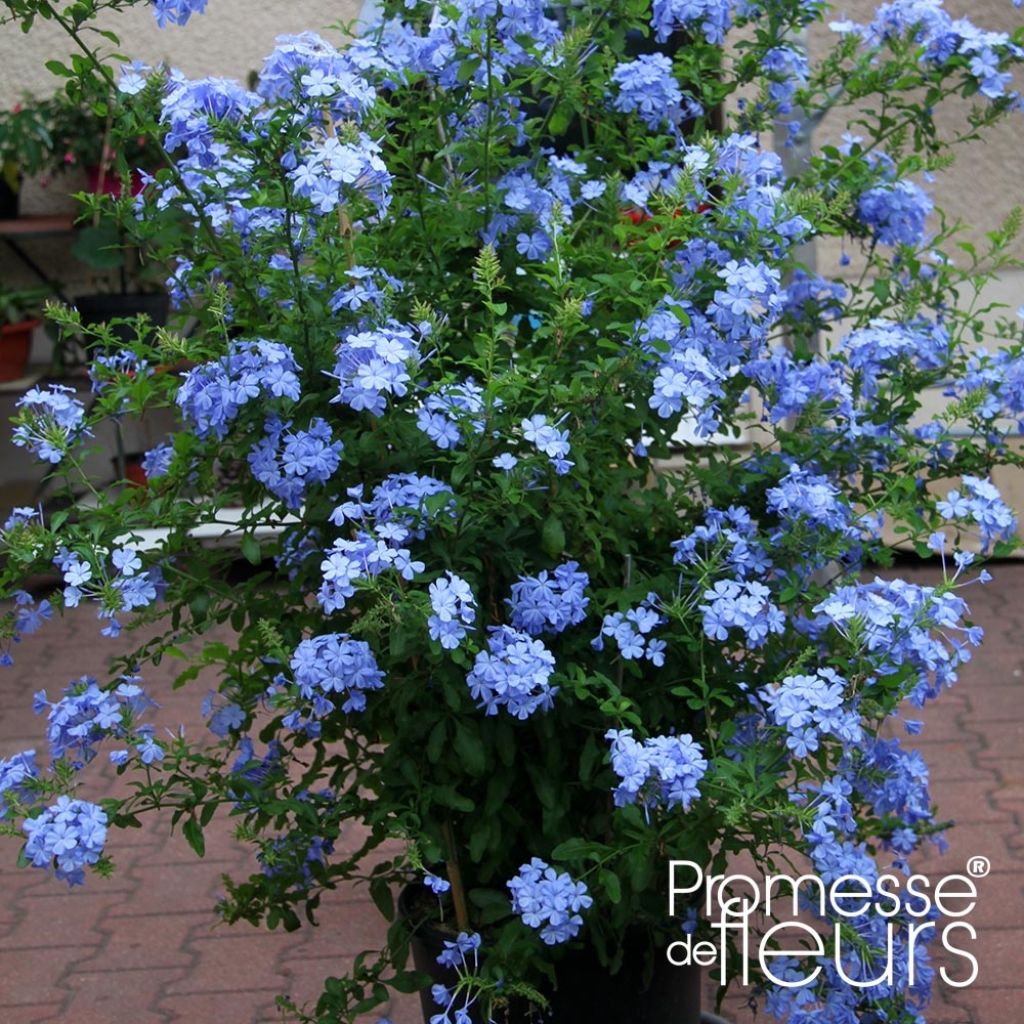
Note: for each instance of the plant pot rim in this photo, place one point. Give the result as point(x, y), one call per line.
point(21, 325)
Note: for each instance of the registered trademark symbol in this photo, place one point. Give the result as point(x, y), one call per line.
point(978, 867)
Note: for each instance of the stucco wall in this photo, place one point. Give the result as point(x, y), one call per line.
point(985, 182)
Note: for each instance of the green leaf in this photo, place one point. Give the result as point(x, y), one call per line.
point(384, 901)
point(552, 538)
point(611, 884)
point(576, 849)
point(251, 549)
point(436, 741)
point(193, 833)
point(470, 748)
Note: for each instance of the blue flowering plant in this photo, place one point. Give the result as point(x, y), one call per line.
point(560, 477)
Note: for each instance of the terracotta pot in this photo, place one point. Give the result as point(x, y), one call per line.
point(111, 181)
point(15, 346)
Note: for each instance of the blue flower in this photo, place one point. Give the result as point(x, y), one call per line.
point(212, 395)
point(454, 609)
point(810, 706)
point(550, 602)
point(287, 461)
point(554, 443)
point(374, 364)
point(548, 901)
point(631, 632)
point(662, 771)
point(335, 664)
point(712, 16)
point(176, 12)
point(452, 409)
point(981, 504)
point(741, 604)
point(51, 422)
point(896, 212)
point(16, 773)
point(85, 715)
point(513, 673)
point(648, 88)
point(67, 836)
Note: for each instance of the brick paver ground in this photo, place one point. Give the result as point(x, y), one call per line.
point(144, 947)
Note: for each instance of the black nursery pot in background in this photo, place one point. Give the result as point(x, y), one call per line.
point(586, 993)
point(9, 200)
point(98, 309)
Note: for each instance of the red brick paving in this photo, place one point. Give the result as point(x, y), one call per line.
point(145, 946)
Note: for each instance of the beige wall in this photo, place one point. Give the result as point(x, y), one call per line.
point(986, 181)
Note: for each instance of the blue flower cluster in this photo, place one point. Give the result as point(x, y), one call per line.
point(157, 461)
point(305, 67)
point(906, 629)
point(513, 673)
point(332, 172)
point(454, 609)
point(452, 409)
point(190, 110)
point(16, 773)
point(540, 204)
point(632, 632)
point(29, 616)
point(401, 499)
point(293, 854)
point(287, 461)
point(212, 395)
point(697, 346)
point(550, 602)
point(730, 536)
point(884, 345)
point(86, 715)
point(998, 380)
point(713, 17)
point(176, 12)
point(647, 87)
point(663, 771)
point(51, 421)
point(741, 604)
point(369, 288)
point(980, 502)
point(790, 386)
point(896, 212)
point(549, 901)
point(66, 836)
point(335, 664)
point(373, 364)
point(549, 440)
point(127, 587)
point(364, 556)
point(804, 497)
point(942, 38)
point(810, 706)
point(787, 68)
point(454, 957)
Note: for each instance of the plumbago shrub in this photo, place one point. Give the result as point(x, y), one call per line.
point(474, 297)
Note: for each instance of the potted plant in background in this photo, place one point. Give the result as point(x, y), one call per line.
point(19, 317)
point(517, 646)
point(26, 149)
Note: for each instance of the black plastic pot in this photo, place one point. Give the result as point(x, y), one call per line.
point(585, 993)
point(98, 309)
point(9, 198)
